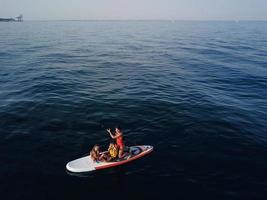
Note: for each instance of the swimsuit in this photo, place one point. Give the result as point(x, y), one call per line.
point(119, 142)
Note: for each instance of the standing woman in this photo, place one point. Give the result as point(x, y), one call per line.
point(119, 139)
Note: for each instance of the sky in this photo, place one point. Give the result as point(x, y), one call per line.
point(135, 9)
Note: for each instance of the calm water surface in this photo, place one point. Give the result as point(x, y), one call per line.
point(196, 91)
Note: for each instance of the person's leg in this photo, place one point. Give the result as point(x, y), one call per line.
point(109, 158)
point(103, 157)
point(120, 152)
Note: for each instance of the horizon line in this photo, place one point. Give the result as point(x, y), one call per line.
point(203, 20)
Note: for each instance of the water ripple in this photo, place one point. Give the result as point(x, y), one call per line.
point(196, 91)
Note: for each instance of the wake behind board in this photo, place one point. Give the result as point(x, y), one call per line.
point(86, 164)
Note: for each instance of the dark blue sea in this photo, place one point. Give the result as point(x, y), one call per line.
point(196, 91)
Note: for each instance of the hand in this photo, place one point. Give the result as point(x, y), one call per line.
point(109, 130)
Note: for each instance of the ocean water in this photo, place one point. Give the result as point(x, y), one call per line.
point(196, 91)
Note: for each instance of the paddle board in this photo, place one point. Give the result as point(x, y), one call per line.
point(86, 164)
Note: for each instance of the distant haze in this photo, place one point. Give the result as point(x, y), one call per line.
point(135, 9)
